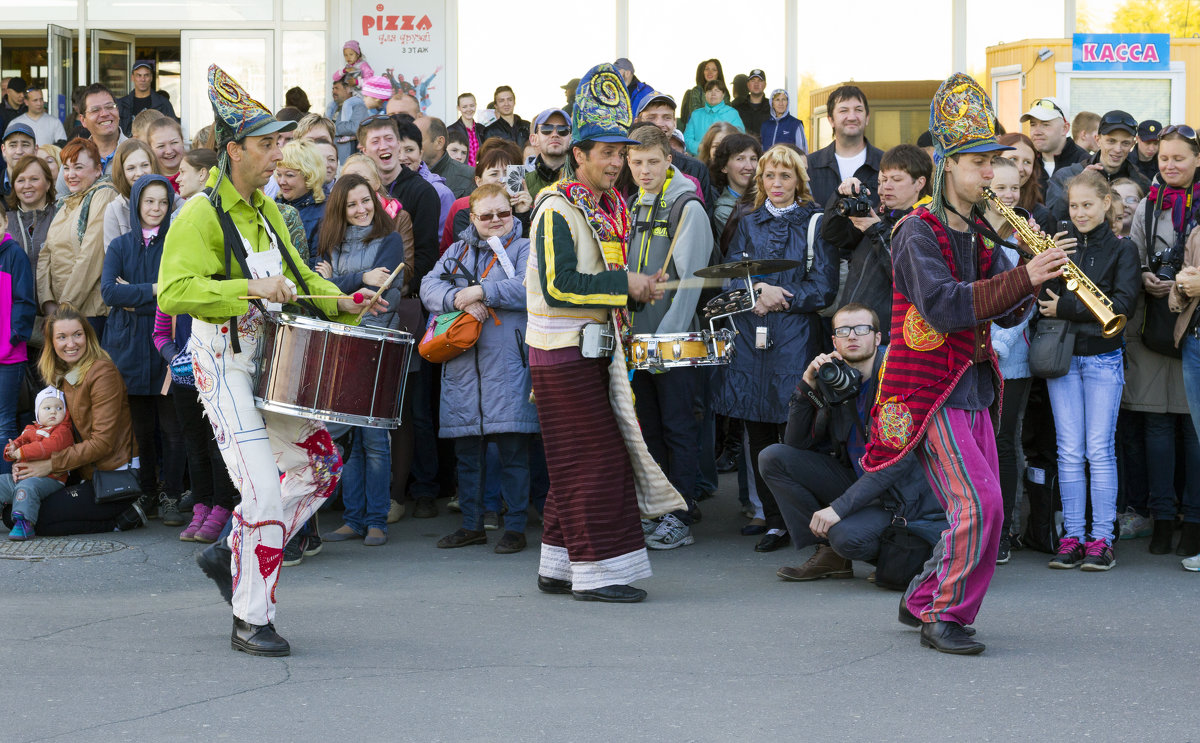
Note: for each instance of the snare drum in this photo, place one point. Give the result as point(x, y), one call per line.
point(703, 348)
point(353, 374)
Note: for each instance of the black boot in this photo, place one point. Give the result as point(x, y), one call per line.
point(216, 560)
point(949, 637)
point(258, 639)
point(1160, 540)
point(1189, 540)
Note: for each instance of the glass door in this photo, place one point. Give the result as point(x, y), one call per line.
point(112, 60)
point(248, 56)
point(60, 81)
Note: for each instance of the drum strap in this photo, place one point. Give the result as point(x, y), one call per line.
point(235, 250)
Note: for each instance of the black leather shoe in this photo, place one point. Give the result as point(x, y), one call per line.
point(553, 585)
point(255, 639)
point(949, 637)
point(772, 542)
point(909, 619)
point(216, 560)
point(611, 594)
point(1164, 533)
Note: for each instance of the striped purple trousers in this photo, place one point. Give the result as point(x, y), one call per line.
point(959, 457)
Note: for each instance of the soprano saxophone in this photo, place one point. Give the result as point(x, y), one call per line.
point(1095, 300)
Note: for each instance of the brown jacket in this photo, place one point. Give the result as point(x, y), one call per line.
point(69, 269)
point(100, 410)
point(1153, 382)
point(1179, 302)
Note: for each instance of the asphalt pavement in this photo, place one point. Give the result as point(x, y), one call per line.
point(407, 642)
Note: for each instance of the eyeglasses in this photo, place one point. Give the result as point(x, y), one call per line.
point(844, 331)
point(1131, 200)
point(494, 215)
point(97, 109)
point(561, 130)
point(1049, 105)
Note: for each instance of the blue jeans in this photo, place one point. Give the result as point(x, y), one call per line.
point(11, 376)
point(1160, 471)
point(1085, 403)
point(1191, 376)
point(366, 493)
point(26, 496)
point(514, 478)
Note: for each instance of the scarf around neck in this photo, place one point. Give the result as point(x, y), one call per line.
point(1181, 201)
point(777, 211)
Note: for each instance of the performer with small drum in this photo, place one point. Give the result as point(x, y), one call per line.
point(220, 250)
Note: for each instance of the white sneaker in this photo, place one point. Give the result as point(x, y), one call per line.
point(671, 533)
point(649, 526)
point(1191, 563)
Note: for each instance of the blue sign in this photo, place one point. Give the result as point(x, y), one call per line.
point(1115, 52)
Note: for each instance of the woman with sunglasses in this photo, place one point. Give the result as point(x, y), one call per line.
point(485, 390)
point(358, 246)
point(1154, 380)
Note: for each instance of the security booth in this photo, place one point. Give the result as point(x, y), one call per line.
point(1143, 74)
point(899, 112)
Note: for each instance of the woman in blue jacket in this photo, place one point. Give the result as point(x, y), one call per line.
point(715, 109)
point(129, 286)
point(485, 390)
point(777, 341)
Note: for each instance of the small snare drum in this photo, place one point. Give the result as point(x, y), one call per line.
point(703, 348)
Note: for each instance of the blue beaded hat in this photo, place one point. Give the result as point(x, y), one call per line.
point(961, 118)
point(237, 114)
point(602, 111)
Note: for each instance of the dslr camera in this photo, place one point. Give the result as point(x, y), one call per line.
point(858, 205)
point(838, 382)
point(1169, 261)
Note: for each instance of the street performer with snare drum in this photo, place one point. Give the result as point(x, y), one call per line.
point(220, 250)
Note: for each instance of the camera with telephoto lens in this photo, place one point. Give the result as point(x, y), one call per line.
point(1169, 261)
point(858, 205)
point(838, 382)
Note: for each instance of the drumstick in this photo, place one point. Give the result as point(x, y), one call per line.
point(379, 293)
point(358, 297)
point(689, 283)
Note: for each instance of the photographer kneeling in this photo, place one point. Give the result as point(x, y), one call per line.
point(859, 224)
point(825, 497)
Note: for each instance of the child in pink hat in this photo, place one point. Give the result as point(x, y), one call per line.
point(355, 64)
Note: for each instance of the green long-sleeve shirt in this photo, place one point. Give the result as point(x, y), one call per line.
point(194, 253)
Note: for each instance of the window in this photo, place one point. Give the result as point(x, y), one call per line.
point(1141, 98)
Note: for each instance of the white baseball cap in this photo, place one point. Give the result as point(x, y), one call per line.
point(1045, 109)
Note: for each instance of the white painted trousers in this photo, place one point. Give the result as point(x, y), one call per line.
point(283, 466)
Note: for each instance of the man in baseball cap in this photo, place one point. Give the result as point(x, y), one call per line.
point(13, 104)
point(1145, 153)
point(1050, 130)
point(1115, 140)
point(143, 96)
point(755, 108)
point(552, 132)
point(18, 142)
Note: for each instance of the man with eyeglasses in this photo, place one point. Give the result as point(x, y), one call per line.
point(460, 179)
point(1050, 130)
point(823, 493)
point(1118, 131)
point(101, 117)
point(552, 132)
point(1145, 154)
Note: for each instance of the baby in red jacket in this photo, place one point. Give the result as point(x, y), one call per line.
point(51, 433)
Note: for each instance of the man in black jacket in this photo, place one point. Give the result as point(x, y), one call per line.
point(142, 96)
point(905, 172)
point(1118, 131)
point(1050, 130)
point(824, 495)
point(755, 108)
point(1145, 153)
point(849, 155)
point(507, 124)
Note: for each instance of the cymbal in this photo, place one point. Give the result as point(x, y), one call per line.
point(738, 269)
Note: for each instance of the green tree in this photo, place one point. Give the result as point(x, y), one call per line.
point(1175, 17)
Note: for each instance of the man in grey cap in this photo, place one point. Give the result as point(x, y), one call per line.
point(553, 130)
point(17, 143)
point(638, 90)
point(13, 104)
point(142, 96)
